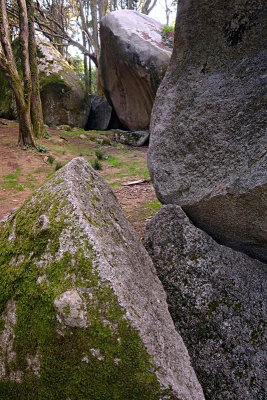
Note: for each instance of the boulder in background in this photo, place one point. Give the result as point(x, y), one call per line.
point(100, 114)
point(133, 62)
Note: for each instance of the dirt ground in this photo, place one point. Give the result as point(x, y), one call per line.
point(23, 171)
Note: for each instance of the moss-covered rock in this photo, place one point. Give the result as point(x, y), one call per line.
point(63, 96)
point(217, 298)
point(82, 312)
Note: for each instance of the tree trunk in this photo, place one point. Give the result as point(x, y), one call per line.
point(90, 76)
point(36, 105)
point(85, 66)
point(21, 90)
point(25, 128)
point(24, 117)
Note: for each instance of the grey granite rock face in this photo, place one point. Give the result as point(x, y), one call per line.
point(133, 62)
point(208, 139)
point(63, 96)
point(82, 311)
point(217, 299)
point(100, 114)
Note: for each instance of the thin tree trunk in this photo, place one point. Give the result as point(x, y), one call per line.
point(36, 105)
point(24, 47)
point(22, 92)
point(85, 67)
point(90, 76)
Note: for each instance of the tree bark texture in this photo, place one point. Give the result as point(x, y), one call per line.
point(21, 90)
point(36, 105)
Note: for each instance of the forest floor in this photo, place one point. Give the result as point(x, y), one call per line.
point(22, 171)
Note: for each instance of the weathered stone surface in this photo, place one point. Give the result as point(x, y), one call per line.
point(207, 147)
point(83, 313)
point(133, 62)
point(217, 299)
point(63, 97)
point(100, 114)
point(132, 138)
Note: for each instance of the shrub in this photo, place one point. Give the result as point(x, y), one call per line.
point(96, 164)
point(100, 154)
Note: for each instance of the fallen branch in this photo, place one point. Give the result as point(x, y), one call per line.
point(136, 182)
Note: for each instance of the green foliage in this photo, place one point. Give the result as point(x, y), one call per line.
point(59, 165)
point(26, 147)
point(96, 164)
point(42, 148)
point(77, 63)
point(100, 154)
point(167, 33)
point(167, 30)
point(51, 159)
point(47, 135)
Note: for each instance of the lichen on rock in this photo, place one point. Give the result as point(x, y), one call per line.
point(217, 299)
point(91, 320)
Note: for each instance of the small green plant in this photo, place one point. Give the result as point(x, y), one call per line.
point(96, 164)
point(47, 135)
point(51, 159)
point(26, 147)
point(41, 148)
point(59, 165)
point(167, 33)
point(100, 154)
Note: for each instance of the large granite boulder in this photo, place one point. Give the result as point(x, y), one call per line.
point(217, 299)
point(207, 150)
point(63, 97)
point(133, 61)
point(83, 314)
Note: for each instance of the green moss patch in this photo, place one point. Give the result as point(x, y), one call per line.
point(104, 360)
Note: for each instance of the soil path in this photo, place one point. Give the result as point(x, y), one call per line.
point(22, 171)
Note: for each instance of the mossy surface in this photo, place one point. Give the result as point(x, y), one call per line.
point(55, 80)
point(6, 98)
point(104, 360)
